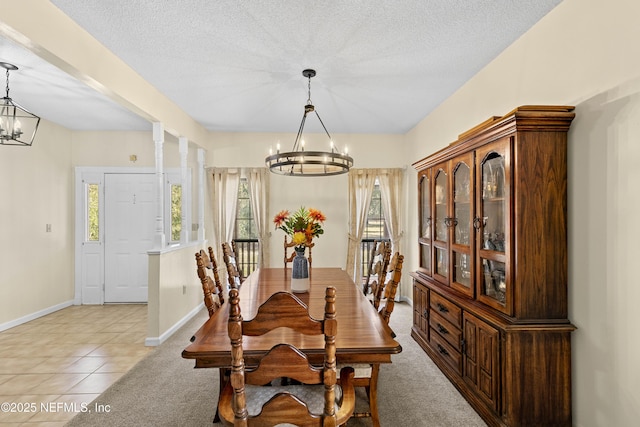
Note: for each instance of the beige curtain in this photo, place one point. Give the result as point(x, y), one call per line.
point(390, 181)
point(258, 180)
point(361, 182)
point(223, 192)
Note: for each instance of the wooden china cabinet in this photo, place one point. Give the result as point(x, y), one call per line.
point(490, 293)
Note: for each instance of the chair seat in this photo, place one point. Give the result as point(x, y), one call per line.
point(361, 370)
point(312, 395)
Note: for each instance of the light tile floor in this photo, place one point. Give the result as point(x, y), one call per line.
point(54, 366)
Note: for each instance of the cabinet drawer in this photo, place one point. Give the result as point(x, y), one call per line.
point(449, 354)
point(445, 329)
point(446, 309)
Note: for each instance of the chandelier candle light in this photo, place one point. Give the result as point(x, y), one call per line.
point(17, 125)
point(303, 225)
point(299, 162)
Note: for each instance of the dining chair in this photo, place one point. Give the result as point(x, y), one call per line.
point(380, 270)
point(234, 275)
point(317, 400)
point(212, 290)
point(366, 375)
point(289, 258)
point(366, 286)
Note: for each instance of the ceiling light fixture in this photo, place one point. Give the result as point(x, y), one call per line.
point(299, 162)
point(17, 125)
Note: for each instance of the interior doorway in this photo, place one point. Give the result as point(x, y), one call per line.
point(129, 230)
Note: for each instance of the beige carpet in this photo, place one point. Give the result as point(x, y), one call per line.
point(164, 389)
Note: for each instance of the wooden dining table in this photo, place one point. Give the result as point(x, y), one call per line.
point(362, 336)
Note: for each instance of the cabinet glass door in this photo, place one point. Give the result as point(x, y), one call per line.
point(492, 224)
point(461, 224)
point(424, 190)
point(441, 222)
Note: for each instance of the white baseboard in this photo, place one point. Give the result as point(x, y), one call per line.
point(33, 316)
point(156, 341)
point(406, 299)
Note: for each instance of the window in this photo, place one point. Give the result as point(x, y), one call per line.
point(375, 228)
point(176, 212)
point(93, 218)
point(246, 234)
point(245, 226)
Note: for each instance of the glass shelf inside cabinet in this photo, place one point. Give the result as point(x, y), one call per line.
point(462, 269)
point(425, 220)
point(441, 206)
point(494, 282)
point(493, 203)
point(425, 257)
point(442, 262)
point(462, 204)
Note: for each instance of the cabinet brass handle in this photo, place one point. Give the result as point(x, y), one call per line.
point(442, 308)
point(425, 313)
point(450, 221)
point(442, 329)
point(442, 350)
point(476, 223)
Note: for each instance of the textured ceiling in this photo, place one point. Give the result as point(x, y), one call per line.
point(236, 65)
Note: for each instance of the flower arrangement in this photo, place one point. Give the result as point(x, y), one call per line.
point(303, 225)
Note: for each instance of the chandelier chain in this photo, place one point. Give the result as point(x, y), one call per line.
point(7, 83)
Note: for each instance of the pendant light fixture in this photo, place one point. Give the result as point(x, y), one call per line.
point(17, 125)
point(299, 162)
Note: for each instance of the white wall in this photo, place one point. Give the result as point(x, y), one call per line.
point(36, 267)
point(584, 53)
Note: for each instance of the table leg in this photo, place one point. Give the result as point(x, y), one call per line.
point(223, 378)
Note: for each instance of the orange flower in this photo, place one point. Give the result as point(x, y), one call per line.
point(279, 219)
point(317, 215)
point(309, 232)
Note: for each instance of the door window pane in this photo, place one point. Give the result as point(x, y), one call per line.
point(93, 209)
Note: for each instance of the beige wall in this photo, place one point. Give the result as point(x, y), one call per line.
point(175, 291)
point(329, 194)
point(584, 53)
point(36, 267)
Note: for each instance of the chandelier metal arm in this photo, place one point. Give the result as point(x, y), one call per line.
point(325, 130)
point(296, 143)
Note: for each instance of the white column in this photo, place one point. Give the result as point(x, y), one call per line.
point(183, 146)
point(158, 139)
point(201, 186)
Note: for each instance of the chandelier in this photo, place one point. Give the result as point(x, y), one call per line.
point(299, 162)
point(17, 125)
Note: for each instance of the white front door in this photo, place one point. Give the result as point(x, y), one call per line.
point(129, 230)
